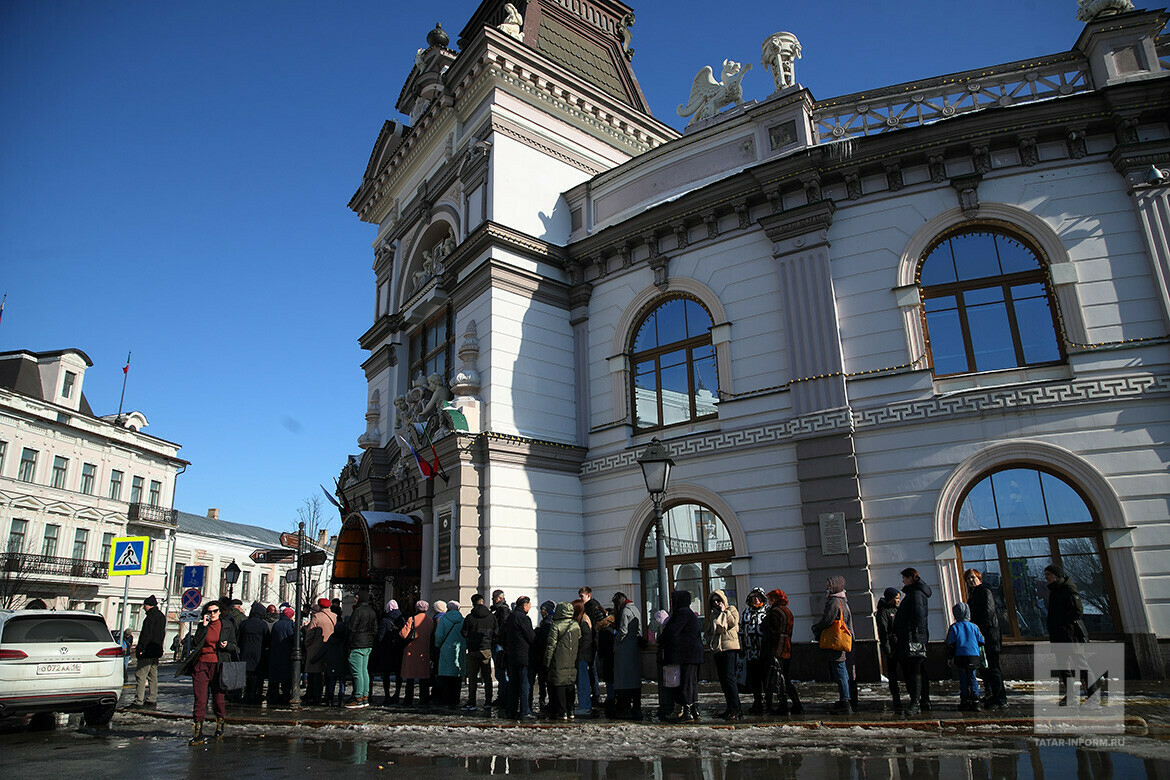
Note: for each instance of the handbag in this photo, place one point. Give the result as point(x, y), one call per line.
point(671, 676)
point(915, 650)
point(232, 675)
point(837, 637)
point(982, 657)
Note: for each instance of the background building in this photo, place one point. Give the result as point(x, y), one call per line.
point(70, 482)
point(214, 544)
point(925, 325)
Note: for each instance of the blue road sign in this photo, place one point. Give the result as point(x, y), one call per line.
point(193, 577)
point(192, 598)
point(128, 555)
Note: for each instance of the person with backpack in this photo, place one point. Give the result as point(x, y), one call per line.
point(834, 631)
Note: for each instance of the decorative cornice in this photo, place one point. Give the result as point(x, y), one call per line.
point(531, 453)
point(493, 274)
point(976, 403)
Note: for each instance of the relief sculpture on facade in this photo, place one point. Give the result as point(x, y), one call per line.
point(432, 260)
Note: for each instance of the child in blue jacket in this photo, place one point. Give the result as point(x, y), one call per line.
point(963, 642)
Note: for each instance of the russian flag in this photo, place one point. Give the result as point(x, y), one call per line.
point(423, 467)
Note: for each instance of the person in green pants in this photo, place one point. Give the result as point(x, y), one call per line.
point(363, 633)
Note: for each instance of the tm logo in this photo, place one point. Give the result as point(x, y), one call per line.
point(1079, 688)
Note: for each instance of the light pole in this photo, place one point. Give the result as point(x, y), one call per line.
point(230, 575)
point(656, 464)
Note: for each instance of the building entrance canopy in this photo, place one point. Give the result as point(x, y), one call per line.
point(374, 546)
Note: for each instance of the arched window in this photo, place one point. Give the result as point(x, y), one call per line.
point(986, 303)
point(698, 557)
point(1013, 522)
point(674, 378)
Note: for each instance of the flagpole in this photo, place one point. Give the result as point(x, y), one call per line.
point(125, 376)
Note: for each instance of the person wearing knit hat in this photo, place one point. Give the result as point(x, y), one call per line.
point(450, 649)
point(1065, 610)
point(887, 607)
point(324, 603)
point(837, 608)
point(390, 651)
point(288, 612)
point(751, 642)
point(440, 607)
point(778, 647)
point(151, 642)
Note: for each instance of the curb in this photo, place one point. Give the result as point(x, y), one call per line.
point(1134, 726)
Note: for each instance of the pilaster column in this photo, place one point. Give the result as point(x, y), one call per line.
point(1146, 168)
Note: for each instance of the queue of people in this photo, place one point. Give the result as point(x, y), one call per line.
point(556, 662)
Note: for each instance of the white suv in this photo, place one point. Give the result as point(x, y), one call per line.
point(59, 661)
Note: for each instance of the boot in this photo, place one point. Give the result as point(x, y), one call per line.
point(694, 708)
point(678, 714)
point(197, 734)
point(219, 729)
point(796, 708)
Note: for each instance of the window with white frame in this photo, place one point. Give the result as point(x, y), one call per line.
point(136, 485)
point(49, 546)
point(60, 471)
point(80, 542)
point(28, 465)
point(675, 379)
point(986, 303)
point(16, 534)
point(67, 384)
point(116, 485)
point(88, 477)
point(107, 544)
point(155, 492)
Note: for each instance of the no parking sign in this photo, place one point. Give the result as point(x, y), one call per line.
point(192, 598)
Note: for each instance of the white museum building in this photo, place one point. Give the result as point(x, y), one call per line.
point(70, 483)
point(925, 325)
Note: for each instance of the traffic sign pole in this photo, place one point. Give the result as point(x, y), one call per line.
point(295, 702)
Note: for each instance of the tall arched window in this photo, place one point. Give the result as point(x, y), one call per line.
point(986, 303)
point(674, 378)
point(1015, 521)
point(698, 557)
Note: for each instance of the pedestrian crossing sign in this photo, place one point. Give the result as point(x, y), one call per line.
point(128, 555)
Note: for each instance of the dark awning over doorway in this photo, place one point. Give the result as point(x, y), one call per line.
point(373, 546)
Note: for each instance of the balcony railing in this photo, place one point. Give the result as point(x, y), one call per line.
point(156, 516)
point(53, 565)
point(923, 102)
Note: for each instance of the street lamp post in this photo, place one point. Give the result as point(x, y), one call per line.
point(656, 464)
point(231, 575)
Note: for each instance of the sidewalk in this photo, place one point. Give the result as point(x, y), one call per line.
point(1147, 711)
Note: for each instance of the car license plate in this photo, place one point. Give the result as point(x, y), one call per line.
point(59, 668)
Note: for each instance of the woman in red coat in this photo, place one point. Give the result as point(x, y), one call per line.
point(416, 653)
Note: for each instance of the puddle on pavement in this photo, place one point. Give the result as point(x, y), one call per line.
point(1002, 759)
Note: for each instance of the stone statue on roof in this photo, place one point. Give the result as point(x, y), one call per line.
point(709, 95)
point(781, 50)
point(1088, 10)
point(512, 22)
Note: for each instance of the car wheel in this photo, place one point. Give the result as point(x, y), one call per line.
point(99, 715)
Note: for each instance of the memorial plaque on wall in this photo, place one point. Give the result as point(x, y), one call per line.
point(833, 540)
point(443, 546)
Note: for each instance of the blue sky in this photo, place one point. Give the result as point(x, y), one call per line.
point(174, 179)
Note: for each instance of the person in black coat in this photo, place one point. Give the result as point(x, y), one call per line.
point(390, 646)
point(518, 638)
point(281, 637)
point(501, 612)
point(479, 629)
point(215, 644)
point(537, 673)
point(985, 614)
point(888, 641)
point(1065, 610)
point(149, 650)
point(254, 652)
point(681, 643)
point(596, 613)
point(910, 626)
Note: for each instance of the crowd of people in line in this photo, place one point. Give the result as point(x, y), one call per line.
point(581, 658)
